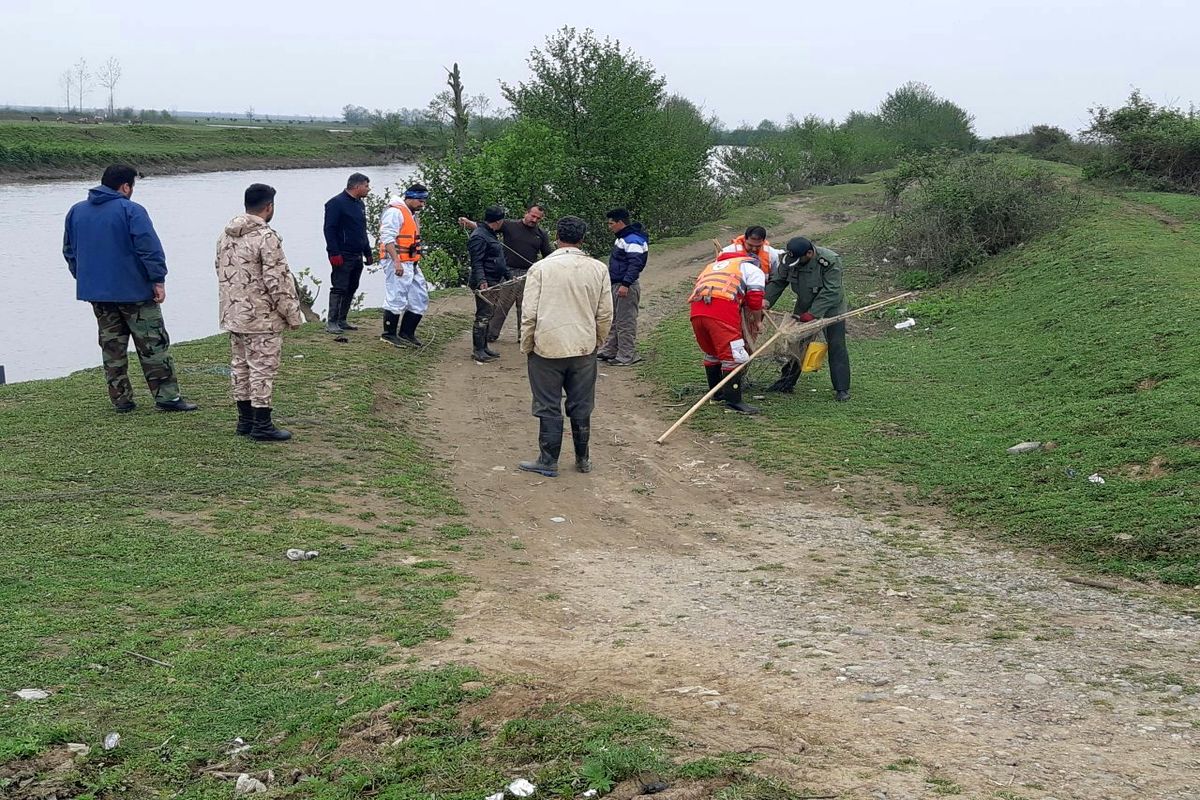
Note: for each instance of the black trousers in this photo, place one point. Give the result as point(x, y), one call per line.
point(346, 277)
point(483, 314)
point(550, 378)
point(839, 361)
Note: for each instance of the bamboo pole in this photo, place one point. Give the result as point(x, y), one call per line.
point(801, 329)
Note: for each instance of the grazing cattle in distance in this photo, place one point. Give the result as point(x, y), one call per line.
point(34, 119)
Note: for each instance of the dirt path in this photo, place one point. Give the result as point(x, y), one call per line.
point(864, 658)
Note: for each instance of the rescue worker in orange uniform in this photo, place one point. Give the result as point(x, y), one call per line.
point(733, 282)
point(754, 243)
point(405, 289)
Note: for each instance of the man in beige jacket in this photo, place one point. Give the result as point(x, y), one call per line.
point(258, 302)
point(566, 313)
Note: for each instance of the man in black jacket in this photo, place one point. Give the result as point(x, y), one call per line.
point(348, 247)
point(488, 268)
point(525, 241)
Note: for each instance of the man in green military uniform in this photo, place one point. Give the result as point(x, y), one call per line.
point(815, 275)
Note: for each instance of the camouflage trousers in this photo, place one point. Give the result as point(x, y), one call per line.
point(254, 366)
point(144, 322)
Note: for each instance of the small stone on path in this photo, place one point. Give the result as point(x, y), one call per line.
point(1035, 679)
point(871, 697)
point(32, 694)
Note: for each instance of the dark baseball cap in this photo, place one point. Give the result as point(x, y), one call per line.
point(797, 246)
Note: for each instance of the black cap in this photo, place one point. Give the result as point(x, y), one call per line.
point(494, 214)
point(797, 246)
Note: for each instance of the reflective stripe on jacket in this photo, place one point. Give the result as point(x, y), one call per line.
point(724, 279)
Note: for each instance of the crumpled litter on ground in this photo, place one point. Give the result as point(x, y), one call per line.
point(521, 788)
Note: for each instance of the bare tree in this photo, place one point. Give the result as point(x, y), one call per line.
point(480, 104)
point(458, 109)
point(109, 76)
point(82, 79)
point(250, 113)
point(67, 82)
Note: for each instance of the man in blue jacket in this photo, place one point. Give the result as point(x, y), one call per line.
point(120, 268)
point(625, 264)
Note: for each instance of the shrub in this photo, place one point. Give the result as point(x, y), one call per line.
point(950, 211)
point(1046, 142)
point(814, 151)
point(1147, 144)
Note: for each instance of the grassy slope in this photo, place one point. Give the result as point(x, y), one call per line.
point(28, 146)
point(1085, 338)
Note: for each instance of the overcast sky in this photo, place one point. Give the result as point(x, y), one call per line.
point(1011, 64)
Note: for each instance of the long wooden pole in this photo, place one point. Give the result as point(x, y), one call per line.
point(801, 329)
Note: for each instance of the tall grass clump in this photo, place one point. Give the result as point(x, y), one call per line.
point(949, 212)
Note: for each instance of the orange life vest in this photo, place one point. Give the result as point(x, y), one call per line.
point(408, 241)
point(763, 256)
point(721, 280)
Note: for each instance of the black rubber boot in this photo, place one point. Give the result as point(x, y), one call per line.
point(713, 372)
point(733, 398)
point(479, 350)
point(335, 311)
point(787, 378)
point(264, 430)
point(549, 446)
point(178, 404)
point(343, 310)
point(489, 350)
point(390, 321)
point(245, 418)
point(842, 396)
point(581, 432)
point(408, 329)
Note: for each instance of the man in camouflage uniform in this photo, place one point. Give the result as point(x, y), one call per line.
point(258, 303)
point(119, 267)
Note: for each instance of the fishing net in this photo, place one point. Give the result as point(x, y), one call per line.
point(793, 353)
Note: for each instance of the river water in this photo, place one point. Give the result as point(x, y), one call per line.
point(45, 332)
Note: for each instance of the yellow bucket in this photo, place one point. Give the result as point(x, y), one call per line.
point(814, 356)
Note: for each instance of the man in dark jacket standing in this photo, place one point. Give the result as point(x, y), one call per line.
point(120, 268)
point(348, 247)
point(625, 264)
point(525, 241)
point(488, 268)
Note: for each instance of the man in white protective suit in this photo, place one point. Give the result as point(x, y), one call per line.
point(406, 293)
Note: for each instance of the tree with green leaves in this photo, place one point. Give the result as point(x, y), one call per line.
point(919, 121)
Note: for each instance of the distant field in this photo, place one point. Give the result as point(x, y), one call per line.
point(48, 149)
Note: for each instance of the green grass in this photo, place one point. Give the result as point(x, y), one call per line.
point(1084, 338)
point(51, 145)
point(164, 535)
